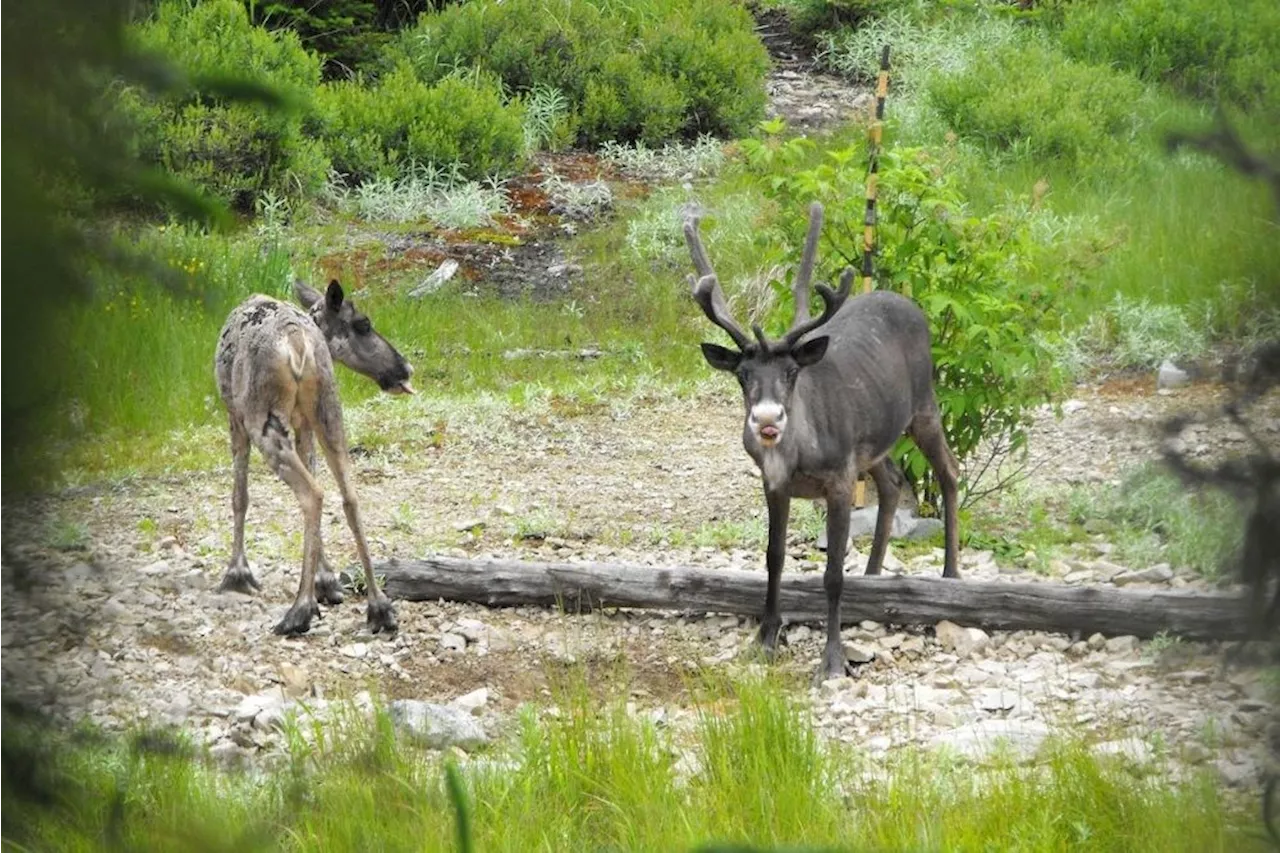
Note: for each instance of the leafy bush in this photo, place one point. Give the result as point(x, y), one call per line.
point(1204, 47)
point(810, 16)
point(234, 150)
point(648, 70)
point(1030, 98)
point(377, 131)
point(977, 279)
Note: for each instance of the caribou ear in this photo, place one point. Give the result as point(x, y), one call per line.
point(811, 352)
point(305, 294)
point(333, 296)
point(721, 358)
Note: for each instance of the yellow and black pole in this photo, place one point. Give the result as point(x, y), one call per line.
point(869, 218)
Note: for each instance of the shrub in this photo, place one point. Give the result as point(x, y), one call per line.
point(233, 150)
point(1031, 98)
point(978, 280)
point(377, 131)
point(648, 70)
point(1203, 47)
point(810, 16)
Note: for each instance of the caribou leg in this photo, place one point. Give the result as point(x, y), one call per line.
point(833, 659)
point(771, 623)
point(328, 590)
point(280, 454)
point(239, 576)
point(379, 612)
point(926, 432)
point(889, 482)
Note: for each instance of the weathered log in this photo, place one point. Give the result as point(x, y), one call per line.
point(1041, 606)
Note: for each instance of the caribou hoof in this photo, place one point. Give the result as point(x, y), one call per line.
point(298, 619)
point(768, 637)
point(239, 578)
point(328, 589)
point(382, 616)
point(834, 665)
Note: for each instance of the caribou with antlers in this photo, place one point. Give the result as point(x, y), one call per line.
point(826, 401)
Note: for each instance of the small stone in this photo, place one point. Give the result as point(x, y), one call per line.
point(913, 645)
point(437, 726)
point(472, 630)
point(1156, 574)
point(1170, 375)
point(296, 682)
point(157, 568)
point(858, 653)
point(1125, 644)
point(469, 524)
point(453, 642)
point(925, 528)
point(473, 702)
point(1078, 576)
point(1078, 650)
point(963, 641)
point(996, 699)
point(359, 651)
point(1096, 642)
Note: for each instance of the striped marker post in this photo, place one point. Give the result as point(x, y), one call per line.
point(869, 218)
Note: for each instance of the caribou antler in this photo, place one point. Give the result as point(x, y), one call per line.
point(800, 287)
point(706, 288)
point(831, 302)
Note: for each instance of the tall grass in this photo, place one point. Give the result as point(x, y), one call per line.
point(748, 768)
point(143, 354)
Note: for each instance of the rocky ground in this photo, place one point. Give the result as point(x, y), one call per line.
point(123, 624)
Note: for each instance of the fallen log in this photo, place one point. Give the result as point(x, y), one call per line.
point(1003, 605)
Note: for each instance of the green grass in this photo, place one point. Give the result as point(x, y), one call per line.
point(746, 767)
point(1153, 518)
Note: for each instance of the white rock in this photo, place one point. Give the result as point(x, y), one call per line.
point(359, 651)
point(963, 641)
point(453, 642)
point(473, 702)
point(1171, 376)
point(437, 726)
point(1124, 644)
point(996, 699)
point(473, 630)
point(858, 653)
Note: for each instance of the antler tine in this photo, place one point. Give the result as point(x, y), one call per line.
point(700, 260)
point(707, 293)
point(800, 287)
point(706, 288)
point(831, 302)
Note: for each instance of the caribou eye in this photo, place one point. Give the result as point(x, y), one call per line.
point(362, 326)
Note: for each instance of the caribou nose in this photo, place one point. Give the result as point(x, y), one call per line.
point(767, 421)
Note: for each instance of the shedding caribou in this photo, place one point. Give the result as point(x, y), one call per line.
point(274, 368)
point(826, 401)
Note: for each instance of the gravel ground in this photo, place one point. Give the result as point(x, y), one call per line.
point(122, 622)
